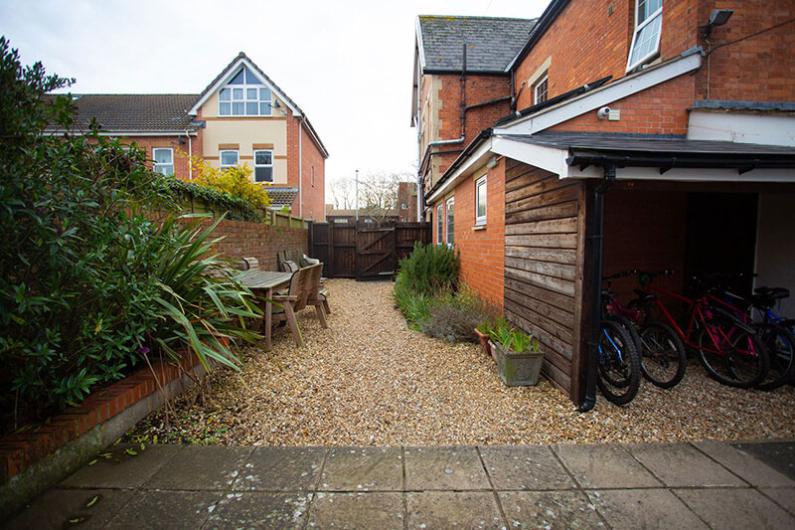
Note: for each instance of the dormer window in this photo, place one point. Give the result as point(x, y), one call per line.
point(245, 95)
point(646, 37)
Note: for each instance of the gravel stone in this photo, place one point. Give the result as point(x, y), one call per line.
point(369, 380)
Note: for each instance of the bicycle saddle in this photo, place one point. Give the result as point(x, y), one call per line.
point(773, 293)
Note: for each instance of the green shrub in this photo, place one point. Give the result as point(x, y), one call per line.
point(502, 332)
point(430, 269)
point(454, 317)
point(90, 286)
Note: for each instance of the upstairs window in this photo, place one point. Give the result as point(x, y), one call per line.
point(480, 201)
point(439, 224)
point(245, 95)
point(540, 90)
point(450, 228)
point(164, 160)
point(263, 166)
point(646, 37)
point(229, 159)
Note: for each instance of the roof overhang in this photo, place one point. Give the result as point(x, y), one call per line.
point(227, 75)
point(61, 132)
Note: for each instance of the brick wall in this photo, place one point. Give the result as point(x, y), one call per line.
point(178, 144)
point(313, 187)
point(483, 250)
point(243, 239)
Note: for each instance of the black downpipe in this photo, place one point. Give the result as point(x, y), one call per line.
point(596, 240)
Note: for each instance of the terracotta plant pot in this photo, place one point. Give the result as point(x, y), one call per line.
point(485, 344)
point(517, 369)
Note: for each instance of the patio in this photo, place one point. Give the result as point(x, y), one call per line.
point(368, 380)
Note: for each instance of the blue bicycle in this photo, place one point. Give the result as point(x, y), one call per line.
point(776, 332)
point(618, 364)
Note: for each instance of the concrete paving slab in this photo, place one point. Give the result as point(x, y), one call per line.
point(644, 508)
point(747, 466)
point(604, 466)
point(682, 465)
point(785, 497)
point(550, 510)
point(122, 466)
point(739, 509)
point(380, 510)
point(167, 509)
point(281, 469)
point(444, 468)
point(363, 469)
point(430, 510)
point(65, 508)
point(529, 467)
point(201, 468)
point(778, 455)
point(260, 510)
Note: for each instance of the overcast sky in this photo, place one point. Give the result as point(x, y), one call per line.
point(348, 64)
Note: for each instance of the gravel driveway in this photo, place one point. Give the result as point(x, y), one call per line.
point(370, 380)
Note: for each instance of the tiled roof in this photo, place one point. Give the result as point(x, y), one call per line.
point(134, 112)
point(281, 196)
point(491, 42)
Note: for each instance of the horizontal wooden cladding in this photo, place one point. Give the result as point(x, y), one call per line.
point(557, 365)
point(566, 225)
point(557, 285)
point(568, 241)
point(558, 211)
point(566, 256)
point(570, 192)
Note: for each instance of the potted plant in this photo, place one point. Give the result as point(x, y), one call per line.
point(517, 354)
point(483, 331)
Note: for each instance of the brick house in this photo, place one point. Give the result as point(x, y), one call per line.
point(665, 127)
point(241, 117)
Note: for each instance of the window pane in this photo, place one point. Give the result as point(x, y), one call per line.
point(264, 94)
point(646, 8)
point(265, 109)
point(439, 224)
point(646, 40)
point(481, 209)
point(224, 95)
point(238, 108)
point(238, 79)
point(162, 156)
point(228, 158)
point(251, 108)
point(166, 169)
point(237, 93)
point(250, 77)
point(251, 93)
point(225, 109)
point(263, 174)
point(263, 158)
point(450, 227)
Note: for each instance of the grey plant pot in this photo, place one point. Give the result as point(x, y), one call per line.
point(517, 369)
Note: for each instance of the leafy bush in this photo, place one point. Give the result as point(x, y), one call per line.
point(454, 317)
point(90, 286)
point(502, 332)
point(430, 269)
point(216, 201)
point(235, 181)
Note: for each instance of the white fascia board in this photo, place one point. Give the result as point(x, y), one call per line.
point(229, 73)
point(706, 175)
point(610, 93)
point(550, 159)
point(419, 43)
point(473, 162)
point(742, 127)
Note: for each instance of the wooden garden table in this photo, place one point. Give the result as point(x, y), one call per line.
point(262, 284)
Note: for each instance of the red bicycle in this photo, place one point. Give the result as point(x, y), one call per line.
point(728, 348)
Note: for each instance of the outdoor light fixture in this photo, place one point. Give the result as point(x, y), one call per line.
point(717, 17)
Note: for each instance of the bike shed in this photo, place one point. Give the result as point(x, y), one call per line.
point(621, 201)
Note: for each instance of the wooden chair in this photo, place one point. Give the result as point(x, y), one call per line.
point(293, 301)
point(250, 264)
point(316, 298)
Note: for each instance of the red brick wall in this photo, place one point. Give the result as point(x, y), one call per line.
point(482, 251)
point(243, 239)
point(180, 149)
point(313, 189)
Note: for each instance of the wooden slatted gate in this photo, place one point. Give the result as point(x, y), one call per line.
point(364, 251)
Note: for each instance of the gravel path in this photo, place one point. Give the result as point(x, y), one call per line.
point(370, 380)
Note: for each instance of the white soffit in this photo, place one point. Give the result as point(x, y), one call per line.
point(473, 162)
point(600, 97)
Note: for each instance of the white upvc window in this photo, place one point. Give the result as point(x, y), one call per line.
point(439, 224)
point(646, 37)
point(480, 201)
point(263, 165)
point(164, 160)
point(245, 95)
point(229, 158)
point(541, 90)
point(450, 230)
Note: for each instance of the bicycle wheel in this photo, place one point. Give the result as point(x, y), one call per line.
point(618, 365)
point(734, 357)
point(780, 346)
point(663, 358)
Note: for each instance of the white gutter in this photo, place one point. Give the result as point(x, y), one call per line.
point(474, 161)
point(120, 133)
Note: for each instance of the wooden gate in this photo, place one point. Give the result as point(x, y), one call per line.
point(364, 251)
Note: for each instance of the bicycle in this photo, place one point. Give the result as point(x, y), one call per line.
point(728, 348)
point(618, 364)
point(663, 358)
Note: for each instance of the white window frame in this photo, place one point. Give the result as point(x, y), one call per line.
point(449, 235)
point(221, 158)
point(262, 165)
point(543, 79)
point(159, 166)
point(440, 224)
point(480, 220)
point(636, 32)
point(245, 86)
